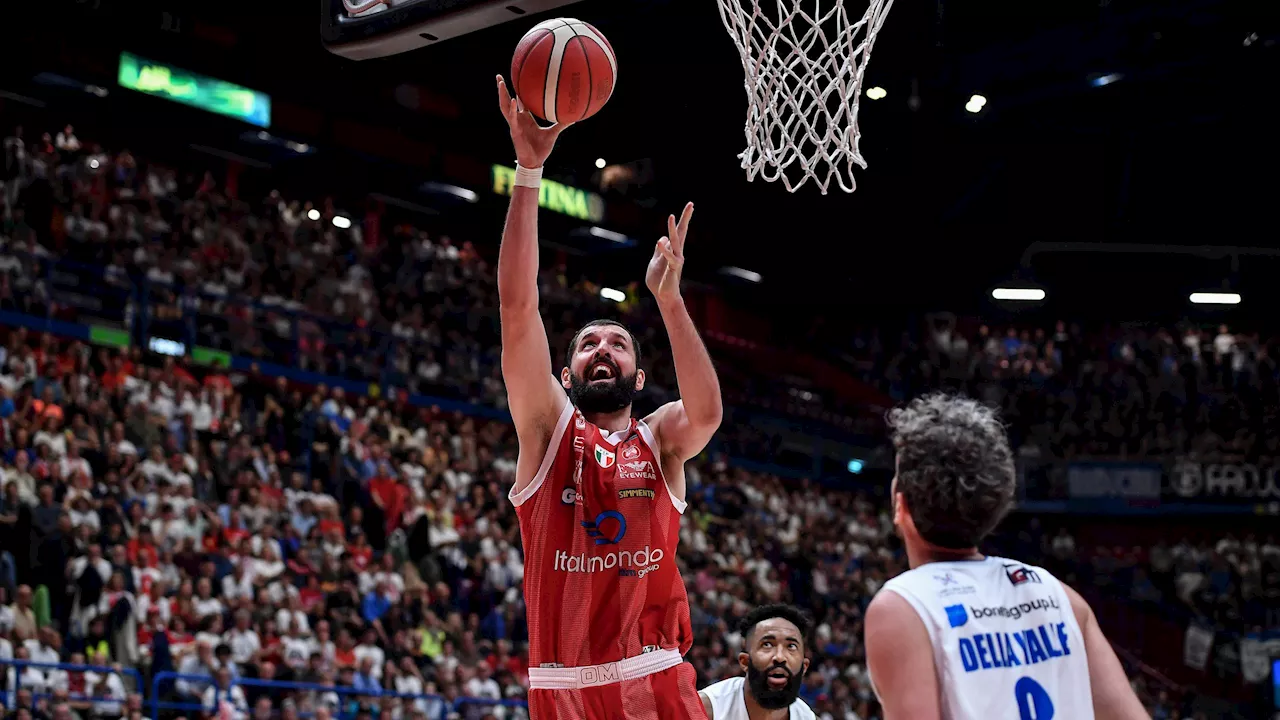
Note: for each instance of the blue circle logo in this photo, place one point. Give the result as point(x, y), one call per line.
point(594, 528)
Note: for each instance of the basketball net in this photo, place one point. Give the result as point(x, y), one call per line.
point(804, 80)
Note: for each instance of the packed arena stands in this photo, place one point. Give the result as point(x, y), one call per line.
point(188, 529)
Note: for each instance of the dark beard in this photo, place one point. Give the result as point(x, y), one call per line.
point(602, 397)
point(768, 698)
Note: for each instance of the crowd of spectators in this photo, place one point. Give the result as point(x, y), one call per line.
point(1126, 391)
point(175, 522)
point(235, 527)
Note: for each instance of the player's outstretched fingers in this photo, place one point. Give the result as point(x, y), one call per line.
point(504, 99)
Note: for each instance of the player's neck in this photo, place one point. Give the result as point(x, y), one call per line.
point(755, 712)
point(611, 422)
point(921, 552)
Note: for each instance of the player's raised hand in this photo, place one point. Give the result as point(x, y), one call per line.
point(663, 275)
point(532, 141)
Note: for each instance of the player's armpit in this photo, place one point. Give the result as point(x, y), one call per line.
point(706, 706)
point(679, 435)
point(900, 658)
point(1113, 696)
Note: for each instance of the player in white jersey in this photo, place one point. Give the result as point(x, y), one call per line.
point(773, 657)
point(963, 636)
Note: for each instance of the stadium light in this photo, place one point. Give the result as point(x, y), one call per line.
point(975, 104)
point(341, 222)
point(600, 163)
point(856, 466)
point(876, 93)
point(1102, 80)
point(1215, 298)
point(1019, 294)
point(611, 294)
point(748, 275)
point(313, 214)
point(609, 235)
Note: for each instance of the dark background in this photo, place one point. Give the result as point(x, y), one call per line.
point(1180, 151)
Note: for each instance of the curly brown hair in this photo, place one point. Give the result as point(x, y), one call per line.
point(955, 468)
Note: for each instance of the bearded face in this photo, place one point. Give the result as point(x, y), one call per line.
point(602, 376)
point(774, 687)
point(602, 388)
point(775, 662)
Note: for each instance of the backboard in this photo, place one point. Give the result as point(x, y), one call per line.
point(365, 29)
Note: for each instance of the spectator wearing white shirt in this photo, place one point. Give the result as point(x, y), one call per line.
point(243, 640)
point(72, 463)
point(67, 141)
point(482, 685)
point(155, 467)
point(154, 600)
point(201, 663)
point(222, 692)
point(387, 574)
point(32, 679)
point(293, 616)
point(204, 603)
point(238, 586)
point(369, 649)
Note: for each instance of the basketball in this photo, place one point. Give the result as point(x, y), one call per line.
point(564, 70)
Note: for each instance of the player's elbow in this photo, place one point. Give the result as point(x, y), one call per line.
point(519, 320)
point(707, 419)
point(705, 408)
point(514, 303)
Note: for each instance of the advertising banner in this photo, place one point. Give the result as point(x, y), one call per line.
point(1134, 481)
point(1192, 480)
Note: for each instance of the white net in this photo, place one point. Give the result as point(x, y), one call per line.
point(804, 63)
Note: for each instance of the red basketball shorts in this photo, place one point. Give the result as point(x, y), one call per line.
point(670, 694)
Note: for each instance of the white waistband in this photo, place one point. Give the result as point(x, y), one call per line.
point(576, 678)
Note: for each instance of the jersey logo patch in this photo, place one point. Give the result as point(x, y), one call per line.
point(636, 470)
point(1019, 574)
point(596, 529)
point(628, 493)
point(956, 615)
point(951, 586)
point(604, 458)
point(631, 452)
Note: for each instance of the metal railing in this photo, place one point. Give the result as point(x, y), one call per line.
point(162, 696)
point(15, 675)
point(435, 707)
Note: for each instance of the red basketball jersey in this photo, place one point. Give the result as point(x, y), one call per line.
point(600, 531)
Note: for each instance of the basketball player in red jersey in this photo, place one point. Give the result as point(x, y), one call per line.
point(599, 493)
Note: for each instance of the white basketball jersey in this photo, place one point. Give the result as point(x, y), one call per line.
point(1006, 643)
point(727, 702)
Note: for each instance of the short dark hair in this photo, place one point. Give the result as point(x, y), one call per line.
point(792, 614)
point(955, 468)
point(573, 344)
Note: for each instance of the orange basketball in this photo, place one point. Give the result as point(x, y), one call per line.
point(564, 70)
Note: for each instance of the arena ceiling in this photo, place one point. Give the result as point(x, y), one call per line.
point(1177, 148)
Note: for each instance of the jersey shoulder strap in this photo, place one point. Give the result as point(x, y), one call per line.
point(725, 697)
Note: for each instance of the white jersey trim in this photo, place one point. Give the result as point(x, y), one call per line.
point(647, 435)
point(549, 457)
point(728, 702)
